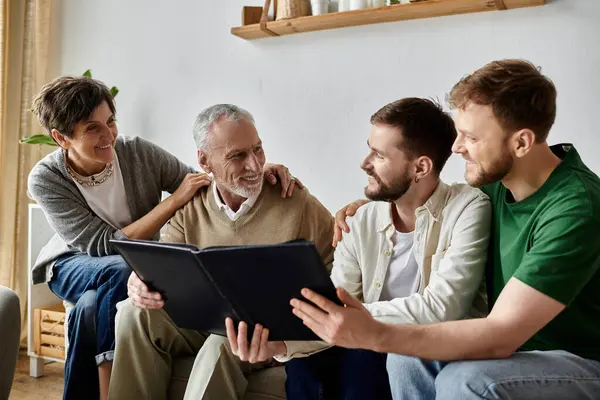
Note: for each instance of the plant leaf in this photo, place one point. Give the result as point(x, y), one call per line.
point(88, 73)
point(38, 139)
point(114, 91)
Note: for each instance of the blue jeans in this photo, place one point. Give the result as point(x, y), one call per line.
point(95, 285)
point(338, 373)
point(548, 375)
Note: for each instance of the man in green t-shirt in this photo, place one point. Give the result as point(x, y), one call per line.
point(541, 339)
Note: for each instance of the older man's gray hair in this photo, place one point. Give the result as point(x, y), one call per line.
point(207, 117)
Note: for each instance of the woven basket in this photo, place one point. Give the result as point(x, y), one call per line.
point(288, 9)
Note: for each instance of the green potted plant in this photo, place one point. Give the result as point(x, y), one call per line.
point(47, 139)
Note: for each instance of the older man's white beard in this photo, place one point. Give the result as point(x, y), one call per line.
point(246, 192)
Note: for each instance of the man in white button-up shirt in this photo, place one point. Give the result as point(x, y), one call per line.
point(414, 255)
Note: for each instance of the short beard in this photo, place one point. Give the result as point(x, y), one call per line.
point(496, 172)
point(391, 192)
point(245, 192)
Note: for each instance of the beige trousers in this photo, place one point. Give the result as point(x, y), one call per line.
point(147, 341)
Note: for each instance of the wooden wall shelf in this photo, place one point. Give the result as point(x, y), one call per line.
point(399, 12)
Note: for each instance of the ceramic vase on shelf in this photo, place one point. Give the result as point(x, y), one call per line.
point(359, 4)
point(319, 7)
point(288, 9)
point(333, 6)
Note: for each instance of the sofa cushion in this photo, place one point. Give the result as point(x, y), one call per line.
point(266, 384)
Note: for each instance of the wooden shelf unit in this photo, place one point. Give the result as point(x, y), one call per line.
point(398, 12)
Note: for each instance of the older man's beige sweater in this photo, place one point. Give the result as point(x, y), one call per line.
point(271, 220)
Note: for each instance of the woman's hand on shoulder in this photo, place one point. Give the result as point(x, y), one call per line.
point(189, 187)
point(275, 172)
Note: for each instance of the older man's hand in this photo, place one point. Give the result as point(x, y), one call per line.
point(141, 296)
point(259, 350)
point(349, 326)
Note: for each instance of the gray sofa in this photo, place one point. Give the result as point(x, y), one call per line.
point(10, 331)
point(267, 384)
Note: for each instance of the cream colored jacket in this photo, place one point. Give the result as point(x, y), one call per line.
point(451, 239)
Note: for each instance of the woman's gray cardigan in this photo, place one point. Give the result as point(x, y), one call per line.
point(147, 170)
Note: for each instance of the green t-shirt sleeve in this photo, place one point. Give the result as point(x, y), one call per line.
point(563, 257)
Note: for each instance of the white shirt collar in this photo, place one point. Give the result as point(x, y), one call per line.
point(233, 215)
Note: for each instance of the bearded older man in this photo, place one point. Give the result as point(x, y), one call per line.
point(236, 209)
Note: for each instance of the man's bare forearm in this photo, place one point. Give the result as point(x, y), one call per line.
point(448, 341)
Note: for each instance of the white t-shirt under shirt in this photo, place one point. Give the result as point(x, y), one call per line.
point(403, 276)
point(109, 199)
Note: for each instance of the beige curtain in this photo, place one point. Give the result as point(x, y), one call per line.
point(24, 48)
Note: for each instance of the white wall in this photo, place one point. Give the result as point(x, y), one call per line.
point(312, 94)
